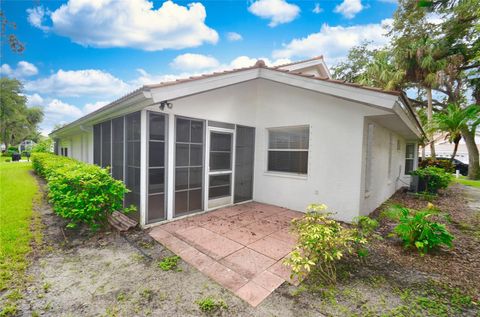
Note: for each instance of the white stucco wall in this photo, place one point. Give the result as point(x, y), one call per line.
point(336, 152)
point(383, 184)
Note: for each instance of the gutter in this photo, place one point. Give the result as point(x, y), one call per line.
point(139, 91)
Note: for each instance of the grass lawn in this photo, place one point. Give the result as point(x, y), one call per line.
point(468, 182)
point(18, 190)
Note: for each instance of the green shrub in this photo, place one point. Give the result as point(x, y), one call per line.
point(44, 146)
point(80, 192)
point(321, 243)
point(365, 230)
point(169, 263)
point(210, 304)
point(416, 230)
point(8, 160)
point(435, 178)
point(444, 164)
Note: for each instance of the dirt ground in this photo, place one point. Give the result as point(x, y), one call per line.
point(76, 273)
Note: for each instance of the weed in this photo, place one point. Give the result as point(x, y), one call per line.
point(147, 294)
point(121, 297)
point(14, 295)
point(46, 287)
point(169, 263)
point(209, 304)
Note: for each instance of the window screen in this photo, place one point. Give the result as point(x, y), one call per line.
point(189, 136)
point(288, 149)
point(118, 148)
point(156, 167)
point(132, 155)
point(106, 144)
point(409, 157)
point(97, 144)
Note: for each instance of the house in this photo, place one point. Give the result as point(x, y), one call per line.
point(288, 135)
point(443, 148)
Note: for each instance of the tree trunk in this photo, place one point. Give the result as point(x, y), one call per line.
point(423, 152)
point(429, 120)
point(473, 155)
point(455, 148)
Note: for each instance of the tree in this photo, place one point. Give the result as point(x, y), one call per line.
point(452, 121)
point(18, 121)
point(9, 37)
point(354, 67)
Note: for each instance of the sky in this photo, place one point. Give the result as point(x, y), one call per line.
point(82, 54)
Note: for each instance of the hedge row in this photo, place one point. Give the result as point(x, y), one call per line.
point(79, 192)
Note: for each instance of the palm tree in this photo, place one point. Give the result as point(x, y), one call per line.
point(381, 72)
point(452, 121)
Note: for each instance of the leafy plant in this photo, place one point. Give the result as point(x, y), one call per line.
point(365, 230)
point(210, 304)
point(169, 263)
point(447, 165)
point(321, 242)
point(416, 230)
point(80, 192)
point(435, 178)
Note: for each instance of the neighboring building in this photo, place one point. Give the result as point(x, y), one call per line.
point(287, 136)
point(443, 148)
point(26, 146)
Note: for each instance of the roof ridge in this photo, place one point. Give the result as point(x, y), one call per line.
point(299, 62)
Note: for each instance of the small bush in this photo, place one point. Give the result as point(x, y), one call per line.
point(443, 164)
point(416, 230)
point(44, 146)
point(169, 263)
point(321, 243)
point(80, 192)
point(435, 178)
point(365, 230)
point(210, 304)
point(8, 160)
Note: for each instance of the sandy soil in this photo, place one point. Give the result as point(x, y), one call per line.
point(76, 273)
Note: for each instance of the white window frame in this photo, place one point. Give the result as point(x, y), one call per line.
point(282, 173)
point(409, 158)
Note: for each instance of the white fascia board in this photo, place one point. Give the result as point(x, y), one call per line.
point(132, 104)
point(372, 98)
point(407, 117)
point(188, 88)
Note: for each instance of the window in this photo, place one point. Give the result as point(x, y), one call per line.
point(409, 157)
point(288, 149)
point(368, 158)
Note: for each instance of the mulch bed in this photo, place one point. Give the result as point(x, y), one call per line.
point(457, 267)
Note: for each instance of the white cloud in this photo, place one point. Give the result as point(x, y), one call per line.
point(194, 62)
point(127, 23)
point(5, 70)
point(317, 9)
point(333, 42)
point(34, 100)
point(61, 108)
point(23, 69)
point(349, 8)
point(91, 107)
point(234, 36)
point(74, 83)
point(277, 11)
point(37, 16)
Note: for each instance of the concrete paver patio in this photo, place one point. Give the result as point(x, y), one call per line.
point(241, 247)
